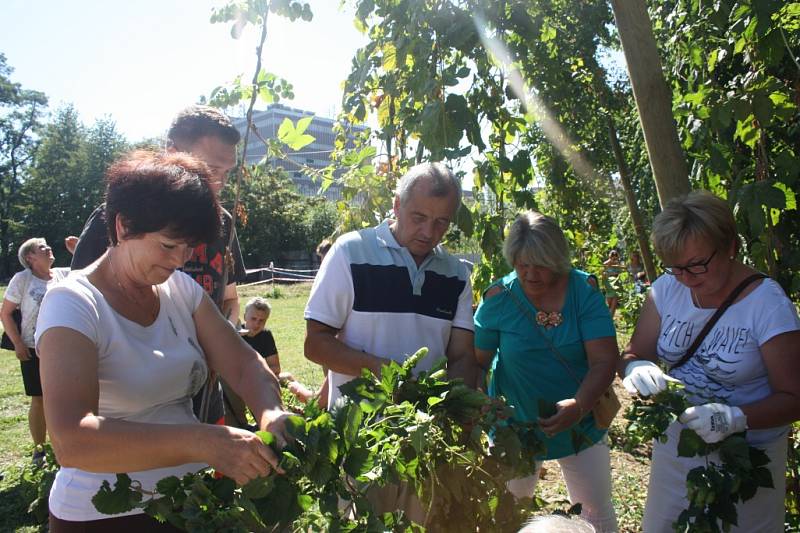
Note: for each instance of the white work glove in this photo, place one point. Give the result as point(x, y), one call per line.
point(645, 378)
point(714, 421)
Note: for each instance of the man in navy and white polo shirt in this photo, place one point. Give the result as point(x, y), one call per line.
point(384, 292)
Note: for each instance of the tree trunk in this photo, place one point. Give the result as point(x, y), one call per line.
point(630, 199)
point(653, 99)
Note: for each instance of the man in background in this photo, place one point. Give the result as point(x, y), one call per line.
point(209, 135)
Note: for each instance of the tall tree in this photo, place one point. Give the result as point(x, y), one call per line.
point(278, 218)
point(735, 80)
point(55, 194)
point(21, 112)
point(104, 144)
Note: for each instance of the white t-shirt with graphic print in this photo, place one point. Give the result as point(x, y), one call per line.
point(727, 367)
point(27, 291)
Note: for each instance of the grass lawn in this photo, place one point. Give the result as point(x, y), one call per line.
point(287, 325)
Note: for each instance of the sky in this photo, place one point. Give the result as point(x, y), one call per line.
point(139, 62)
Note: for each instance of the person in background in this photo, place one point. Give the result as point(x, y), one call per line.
point(256, 313)
point(636, 271)
point(547, 335)
point(323, 248)
point(611, 269)
point(742, 377)
point(127, 342)
point(209, 135)
point(255, 334)
point(25, 292)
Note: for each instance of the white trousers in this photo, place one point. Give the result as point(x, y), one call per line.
point(588, 479)
point(666, 493)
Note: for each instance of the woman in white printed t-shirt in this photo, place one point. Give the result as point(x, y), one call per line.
point(25, 292)
point(127, 342)
point(742, 376)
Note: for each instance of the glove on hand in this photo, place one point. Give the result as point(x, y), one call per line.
point(645, 378)
point(714, 421)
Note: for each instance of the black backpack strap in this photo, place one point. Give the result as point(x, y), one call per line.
point(713, 320)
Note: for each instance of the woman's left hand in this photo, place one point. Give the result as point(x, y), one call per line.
point(568, 413)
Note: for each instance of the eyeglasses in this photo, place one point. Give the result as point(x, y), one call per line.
point(693, 269)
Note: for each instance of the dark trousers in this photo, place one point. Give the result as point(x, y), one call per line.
point(138, 523)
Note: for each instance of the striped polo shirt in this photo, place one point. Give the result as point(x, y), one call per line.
point(371, 290)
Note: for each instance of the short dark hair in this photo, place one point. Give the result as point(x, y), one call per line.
point(198, 121)
point(162, 191)
point(324, 247)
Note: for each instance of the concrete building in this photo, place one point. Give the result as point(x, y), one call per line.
point(315, 155)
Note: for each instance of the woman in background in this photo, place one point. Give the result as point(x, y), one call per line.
point(25, 292)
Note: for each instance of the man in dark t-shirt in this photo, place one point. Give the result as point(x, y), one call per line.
point(209, 135)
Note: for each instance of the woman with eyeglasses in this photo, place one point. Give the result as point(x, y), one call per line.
point(743, 375)
point(25, 292)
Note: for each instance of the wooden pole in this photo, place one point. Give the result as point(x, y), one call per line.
point(653, 99)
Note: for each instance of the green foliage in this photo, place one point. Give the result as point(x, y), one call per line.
point(436, 92)
point(66, 181)
point(40, 479)
point(20, 121)
point(793, 480)
point(278, 218)
point(423, 431)
point(734, 79)
point(649, 418)
point(712, 490)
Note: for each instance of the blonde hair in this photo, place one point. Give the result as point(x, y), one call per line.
point(258, 303)
point(28, 247)
point(538, 240)
point(697, 215)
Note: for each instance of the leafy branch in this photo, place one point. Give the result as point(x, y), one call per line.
point(454, 446)
point(712, 490)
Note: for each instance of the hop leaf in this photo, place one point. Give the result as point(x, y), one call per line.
point(119, 500)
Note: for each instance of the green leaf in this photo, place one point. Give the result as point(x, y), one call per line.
point(389, 62)
point(266, 437)
point(223, 489)
point(292, 135)
point(305, 501)
point(359, 461)
point(762, 108)
point(169, 485)
point(548, 33)
point(763, 477)
point(258, 488)
point(734, 450)
point(690, 444)
point(712, 60)
point(119, 500)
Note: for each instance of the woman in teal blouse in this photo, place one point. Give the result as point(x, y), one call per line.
point(544, 304)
